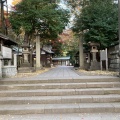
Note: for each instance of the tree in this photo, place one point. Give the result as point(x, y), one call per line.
point(99, 22)
point(42, 16)
point(15, 2)
point(76, 6)
point(73, 48)
point(48, 18)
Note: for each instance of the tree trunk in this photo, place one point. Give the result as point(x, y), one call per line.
point(38, 65)
point(81, 55)
point(31, 52)
point(31, 57)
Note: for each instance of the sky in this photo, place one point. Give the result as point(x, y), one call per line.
point(9, 2)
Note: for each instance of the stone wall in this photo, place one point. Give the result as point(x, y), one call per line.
point(114, 58)
point(8, 71)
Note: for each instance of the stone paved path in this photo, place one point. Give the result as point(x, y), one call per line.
point(62, 72)
point(59, 72)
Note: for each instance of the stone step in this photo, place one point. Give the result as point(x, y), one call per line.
point(27, 69)
point(60, 108)
point(24, 81)
point(21, 97)
point(60, 86)
point(69, 116)
point(60, 99)
point(59, 92)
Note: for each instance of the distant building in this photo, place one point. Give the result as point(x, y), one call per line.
point(61, 61)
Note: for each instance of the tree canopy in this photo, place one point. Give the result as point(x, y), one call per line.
point(43, 16)
point(98, 20)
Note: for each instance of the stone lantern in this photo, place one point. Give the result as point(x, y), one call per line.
point(25, 66)
point(26, 52)
point(95, 65)
point(94, 50)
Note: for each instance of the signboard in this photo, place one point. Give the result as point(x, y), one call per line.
point(103, 56)
point(6, 52)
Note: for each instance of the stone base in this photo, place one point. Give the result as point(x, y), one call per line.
point(8, 71)
point(39, 68)
point(86, 66)
point(95, 65)
point(26, 69)
point(25, 64)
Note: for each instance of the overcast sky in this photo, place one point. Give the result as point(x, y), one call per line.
point(9, 2)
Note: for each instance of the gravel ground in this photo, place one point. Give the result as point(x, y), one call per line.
point(19, 75)
point(98, 72)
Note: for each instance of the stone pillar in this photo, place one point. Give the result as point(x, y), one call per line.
point(25, 57)
point(15, 60)
point(9, 62)
point(1, 65)
point(88, 61)
point(38, 65)
point(0, 68)
point(94, 56)
point(81, 56)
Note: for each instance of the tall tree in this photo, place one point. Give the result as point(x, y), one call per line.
point(99, 22)
point(43, 16)
point(96, 20)
point(76, 7)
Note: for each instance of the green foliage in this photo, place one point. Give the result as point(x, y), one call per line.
point(57, 48)
point(99, 22)
point(73, 48)
point(45, 16)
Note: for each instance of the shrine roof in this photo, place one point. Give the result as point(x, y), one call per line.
point(7, 40)
point(61, 58)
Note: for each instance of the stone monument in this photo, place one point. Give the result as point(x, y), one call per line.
point(25, 66)
point(95, 65)
point(25, 52)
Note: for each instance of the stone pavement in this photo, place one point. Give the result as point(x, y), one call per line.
point(65, 72)
point(62, 73)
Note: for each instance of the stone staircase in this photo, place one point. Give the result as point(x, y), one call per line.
point(21, 97)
